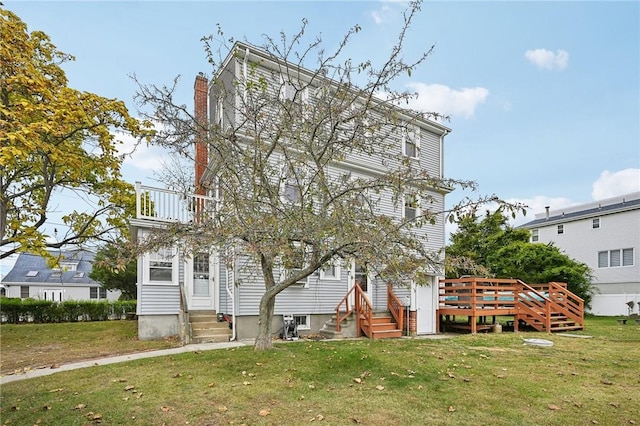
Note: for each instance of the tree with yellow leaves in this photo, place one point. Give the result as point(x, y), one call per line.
point(54, 138)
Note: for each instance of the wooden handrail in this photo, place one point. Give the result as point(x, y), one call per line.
point(348, 310)
point(395, 306)
point(534, 303)
point(364, 311)
point(567, 303)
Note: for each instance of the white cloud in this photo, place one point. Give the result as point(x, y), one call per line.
point(142, 156)
point(612, 184)
point(546, 59)
point(381, 15)
point(444, 100)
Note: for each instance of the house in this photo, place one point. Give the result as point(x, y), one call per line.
point(605, 235)
point(32, 277)
point(185, 295)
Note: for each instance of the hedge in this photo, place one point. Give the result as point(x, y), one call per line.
point(14, 310)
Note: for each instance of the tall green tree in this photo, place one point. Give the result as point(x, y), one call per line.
point(115, 267)
point(54, 138)
point(493, 248)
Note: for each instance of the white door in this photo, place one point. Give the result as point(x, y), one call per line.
point(425, 307)
point(200, 282)
point(359, 275)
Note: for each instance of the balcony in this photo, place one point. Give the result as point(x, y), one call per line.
point(165, 205)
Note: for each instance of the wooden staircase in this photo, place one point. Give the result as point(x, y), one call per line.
point(205, 327)
point(378, 325)
point(382, 326)
point(549, 307)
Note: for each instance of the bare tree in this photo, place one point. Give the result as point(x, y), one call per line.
point(284, 152)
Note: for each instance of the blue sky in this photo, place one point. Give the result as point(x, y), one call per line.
point(544, 96)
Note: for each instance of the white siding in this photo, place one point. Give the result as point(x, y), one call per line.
point(158, 300)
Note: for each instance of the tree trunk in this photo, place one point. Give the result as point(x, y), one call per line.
point(267, 305)
point(263, 339)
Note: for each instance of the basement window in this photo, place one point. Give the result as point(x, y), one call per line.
point(303, 322)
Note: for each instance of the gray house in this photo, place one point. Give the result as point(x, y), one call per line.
point(179, 294)
point(32, 277)
point(605, 235)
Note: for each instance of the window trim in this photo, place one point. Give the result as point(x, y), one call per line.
point(560, 229)
point(415, 131)
point(337, 271)
point(148, 258)
point(417, 210)
point(535, 235)
point(608, 255)
point(307, 320)
point(596, 223)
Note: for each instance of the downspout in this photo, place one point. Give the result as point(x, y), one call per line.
point(446, 132)
point(244, 74)
point(231, 279)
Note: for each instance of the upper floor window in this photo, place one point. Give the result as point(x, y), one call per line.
point(560, 229)
point(616, 258)
point(595, 224)
point(534, 235)
point(411, 142)
point(410, 207)
point(290, 91)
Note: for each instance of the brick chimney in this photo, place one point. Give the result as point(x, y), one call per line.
point(200, 112)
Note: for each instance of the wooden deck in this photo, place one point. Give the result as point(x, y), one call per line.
point(545, 307)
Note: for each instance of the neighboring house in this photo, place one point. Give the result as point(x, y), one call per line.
point(31, 277)
point(605, 235)
point(170, 285)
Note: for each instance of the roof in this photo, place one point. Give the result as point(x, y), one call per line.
point(74, 270)
point(584, 211)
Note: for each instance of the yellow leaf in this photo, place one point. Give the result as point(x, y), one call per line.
point(264, 412)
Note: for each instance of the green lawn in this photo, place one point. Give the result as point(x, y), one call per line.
point(469, 379)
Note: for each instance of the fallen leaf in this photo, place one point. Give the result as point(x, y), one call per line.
point(380, 387)
point(259, 364)
point(55, 366)
point(56, 390)
point(80, 406)
point(500, 376)
point(451, 409)
point(320, 417)
point(615, 404)
point(212, 384)
point(46, 408)
point(138, 396)
point(607, 382)
point(553, 407)
point(358, 380)
point(312, 387)
point(165, 408)
point(246, 383)
point(129, 387)
point(177, 375)
point(451, 375)
point(595, 422)
point(356, 421)
point(15, 408)
point(222, 409)
point(264, 412)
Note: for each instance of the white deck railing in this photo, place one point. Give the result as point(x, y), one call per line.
point(165, 205)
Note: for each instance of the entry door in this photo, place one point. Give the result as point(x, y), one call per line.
point(201, 282)
point(359, 275)
point(426, 298)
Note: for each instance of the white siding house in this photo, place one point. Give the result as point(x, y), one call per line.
point(32, 277)
point(171, 284)
point(605, 235)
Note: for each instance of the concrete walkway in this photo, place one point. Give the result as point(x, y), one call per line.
point(121, 358)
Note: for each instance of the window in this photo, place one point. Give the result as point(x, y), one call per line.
point(291, 186)
point(68, 266)
point(24, 291)
point(595, 224)
point(103, 293)
point(330, 271)
point(93, 292)
point(294, 263)
point(560, 229)
point(616, 258)
point(161, 266)
point(535, 235)
point(289, 91)
point(220, 112)
point(411, 142)
point(410, 207)
point(303, 322)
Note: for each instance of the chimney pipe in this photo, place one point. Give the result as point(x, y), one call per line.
point(547, 210)
point(200, 114)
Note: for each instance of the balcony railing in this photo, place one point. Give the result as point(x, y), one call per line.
point(165, 205)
